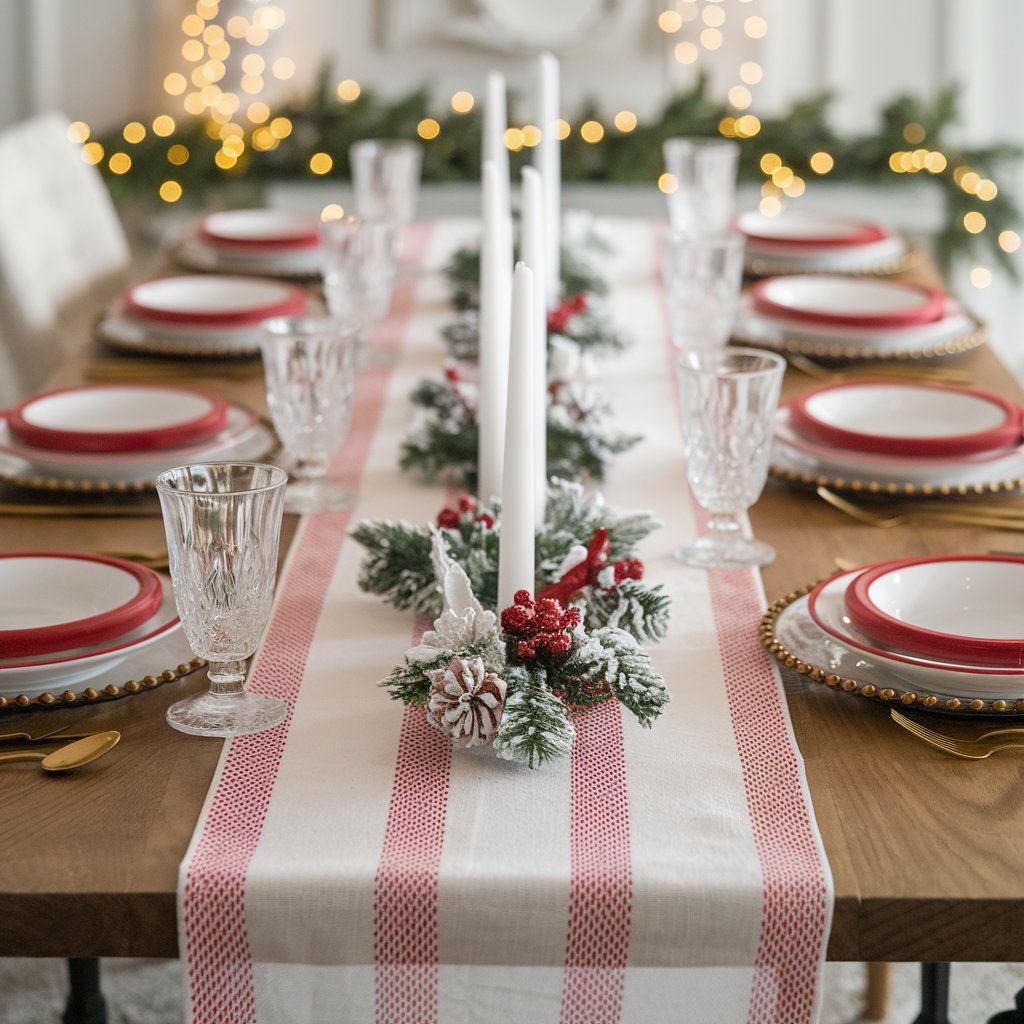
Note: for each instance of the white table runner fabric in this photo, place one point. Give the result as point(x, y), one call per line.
point(349, 867)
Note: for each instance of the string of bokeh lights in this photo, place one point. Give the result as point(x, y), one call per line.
point(238, 117)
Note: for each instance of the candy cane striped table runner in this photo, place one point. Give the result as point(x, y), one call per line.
point(348, 867)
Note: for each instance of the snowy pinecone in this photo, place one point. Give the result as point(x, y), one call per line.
point(466, 701)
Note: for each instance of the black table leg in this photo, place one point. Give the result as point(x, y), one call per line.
point(1011, 1016)
point(85, 1004)
point(934, 994)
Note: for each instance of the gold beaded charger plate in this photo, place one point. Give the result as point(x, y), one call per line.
point(955, 332)
point(897, 260)
point(798, 643)
point(100, 672)
point(120, 330)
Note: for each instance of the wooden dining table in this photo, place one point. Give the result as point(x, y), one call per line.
point(924, 848)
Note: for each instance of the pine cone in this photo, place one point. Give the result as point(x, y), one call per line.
point(466, 701)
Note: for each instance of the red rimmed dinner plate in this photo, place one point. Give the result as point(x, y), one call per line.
point(214, 300)
point(906, 418)
point(808, 230)
point(965, 608)
point(831, 300)
point(56, 602)
point(261, 230)
point(117, 418)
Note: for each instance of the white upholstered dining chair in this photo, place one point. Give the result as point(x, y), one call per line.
point(60, 238)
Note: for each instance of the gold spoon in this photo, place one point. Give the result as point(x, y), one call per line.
point(71, 755)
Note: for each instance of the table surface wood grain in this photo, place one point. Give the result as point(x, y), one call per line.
point(925, 849)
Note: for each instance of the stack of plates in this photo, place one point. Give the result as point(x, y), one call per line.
point(829, 316)
point(70, 617)
point(809, 243)
point(145, 429)
point(279, 243)
point(943, 633)
point(913, 434)
point(204, 315)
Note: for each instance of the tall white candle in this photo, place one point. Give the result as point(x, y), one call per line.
point(494, 127)
point(533, 252)
point(515, 554)
point(548, 160)
point(495, 302)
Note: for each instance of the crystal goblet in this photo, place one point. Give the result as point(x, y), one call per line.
point(309, 367)
point(386, 178)
point(727, 399)
point(704, 170)
point(222, 522)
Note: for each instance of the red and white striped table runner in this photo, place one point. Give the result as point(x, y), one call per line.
point(349, 867)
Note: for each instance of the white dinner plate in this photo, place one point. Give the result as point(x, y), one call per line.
point(122, 330)
point(906, 418)
point(823, 300)
point(52, 601)
point(955, 331)
point(840, 649)
point(56, 672)
point(965, 607)
point(794, 454)
point(799, 230)
point(261, 229)
point(196, 254)
point(117, 418)
point(244, 437)
point(213, 300)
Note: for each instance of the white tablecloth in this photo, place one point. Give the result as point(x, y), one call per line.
point(348, 866)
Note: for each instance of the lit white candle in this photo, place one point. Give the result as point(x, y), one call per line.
point(532, 247)
point(495, 300)
point(494, 128)
point(515, 554)
point(548, 160)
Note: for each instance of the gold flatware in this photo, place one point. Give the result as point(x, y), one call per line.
point(17, 508)
point(967, 515)
point(37, 735)
point(986, 744)
point(131, 369)
point(901, 371)
point(71, 755)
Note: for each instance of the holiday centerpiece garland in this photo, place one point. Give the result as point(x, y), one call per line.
point(510, 680)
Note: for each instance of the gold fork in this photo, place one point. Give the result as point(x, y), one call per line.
point(936, 374)
point(986, 744)
point(988, 515)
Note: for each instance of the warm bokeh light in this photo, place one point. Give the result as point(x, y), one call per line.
point(686, 53)
point(711, 39)
point(237, 26)
point(175, 84)
point(252, 84)
point(986, 190)
point(531, 135)
point(748, 126)
point(625, 120)
point(914, 133)
point(194, 103)
point(178, 154)
point(348, 90)
point(592, 131)
point(822, 162)
point(981, 277)
point(969, 181)
point(225, 160)
point(727, 127)
point(78, 132)
point(163, 125)
point(257, 112)
point(739, 97)
point(192, 50)
point(751, 72)
point(253, 64)
point(207, 9)
point(280, 127)
point(170, 191)
point(120, 163)
point(667, 183)
point(192, 25)
point(257, 35)
point(770, 206)
point(133, 132)
point(770, 163)
point(212, 34)
point(462, 102)
point(428, 129)
point(332, 211)
point(935, 162)
point(284, 68)
point(92, 152)
point(769, 188)
point(714, 17)
point(795, 187)
point(670, 21)
point(564, 128)
point(782, 176)
point(974, 222)
point(1009, 241)
point(514, 139)
point(320, 163)
point(755, 27)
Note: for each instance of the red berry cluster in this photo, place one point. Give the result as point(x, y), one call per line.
point(628, 569)
point(559, 317)
point(451, 518)
point(543, 628)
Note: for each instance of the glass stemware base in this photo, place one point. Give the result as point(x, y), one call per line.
point(226, 709)
point(307, 497)
point(725, 553)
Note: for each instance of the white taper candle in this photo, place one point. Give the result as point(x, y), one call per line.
point(532, 248)
point(494, 127)
point(548, 160)
point(516, 554)
point(495, 302)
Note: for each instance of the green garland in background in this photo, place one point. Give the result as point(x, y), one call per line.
point(325, 124)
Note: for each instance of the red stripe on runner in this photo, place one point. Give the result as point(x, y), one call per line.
point(601, 880)
point(796, 890)
point(213, 935)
